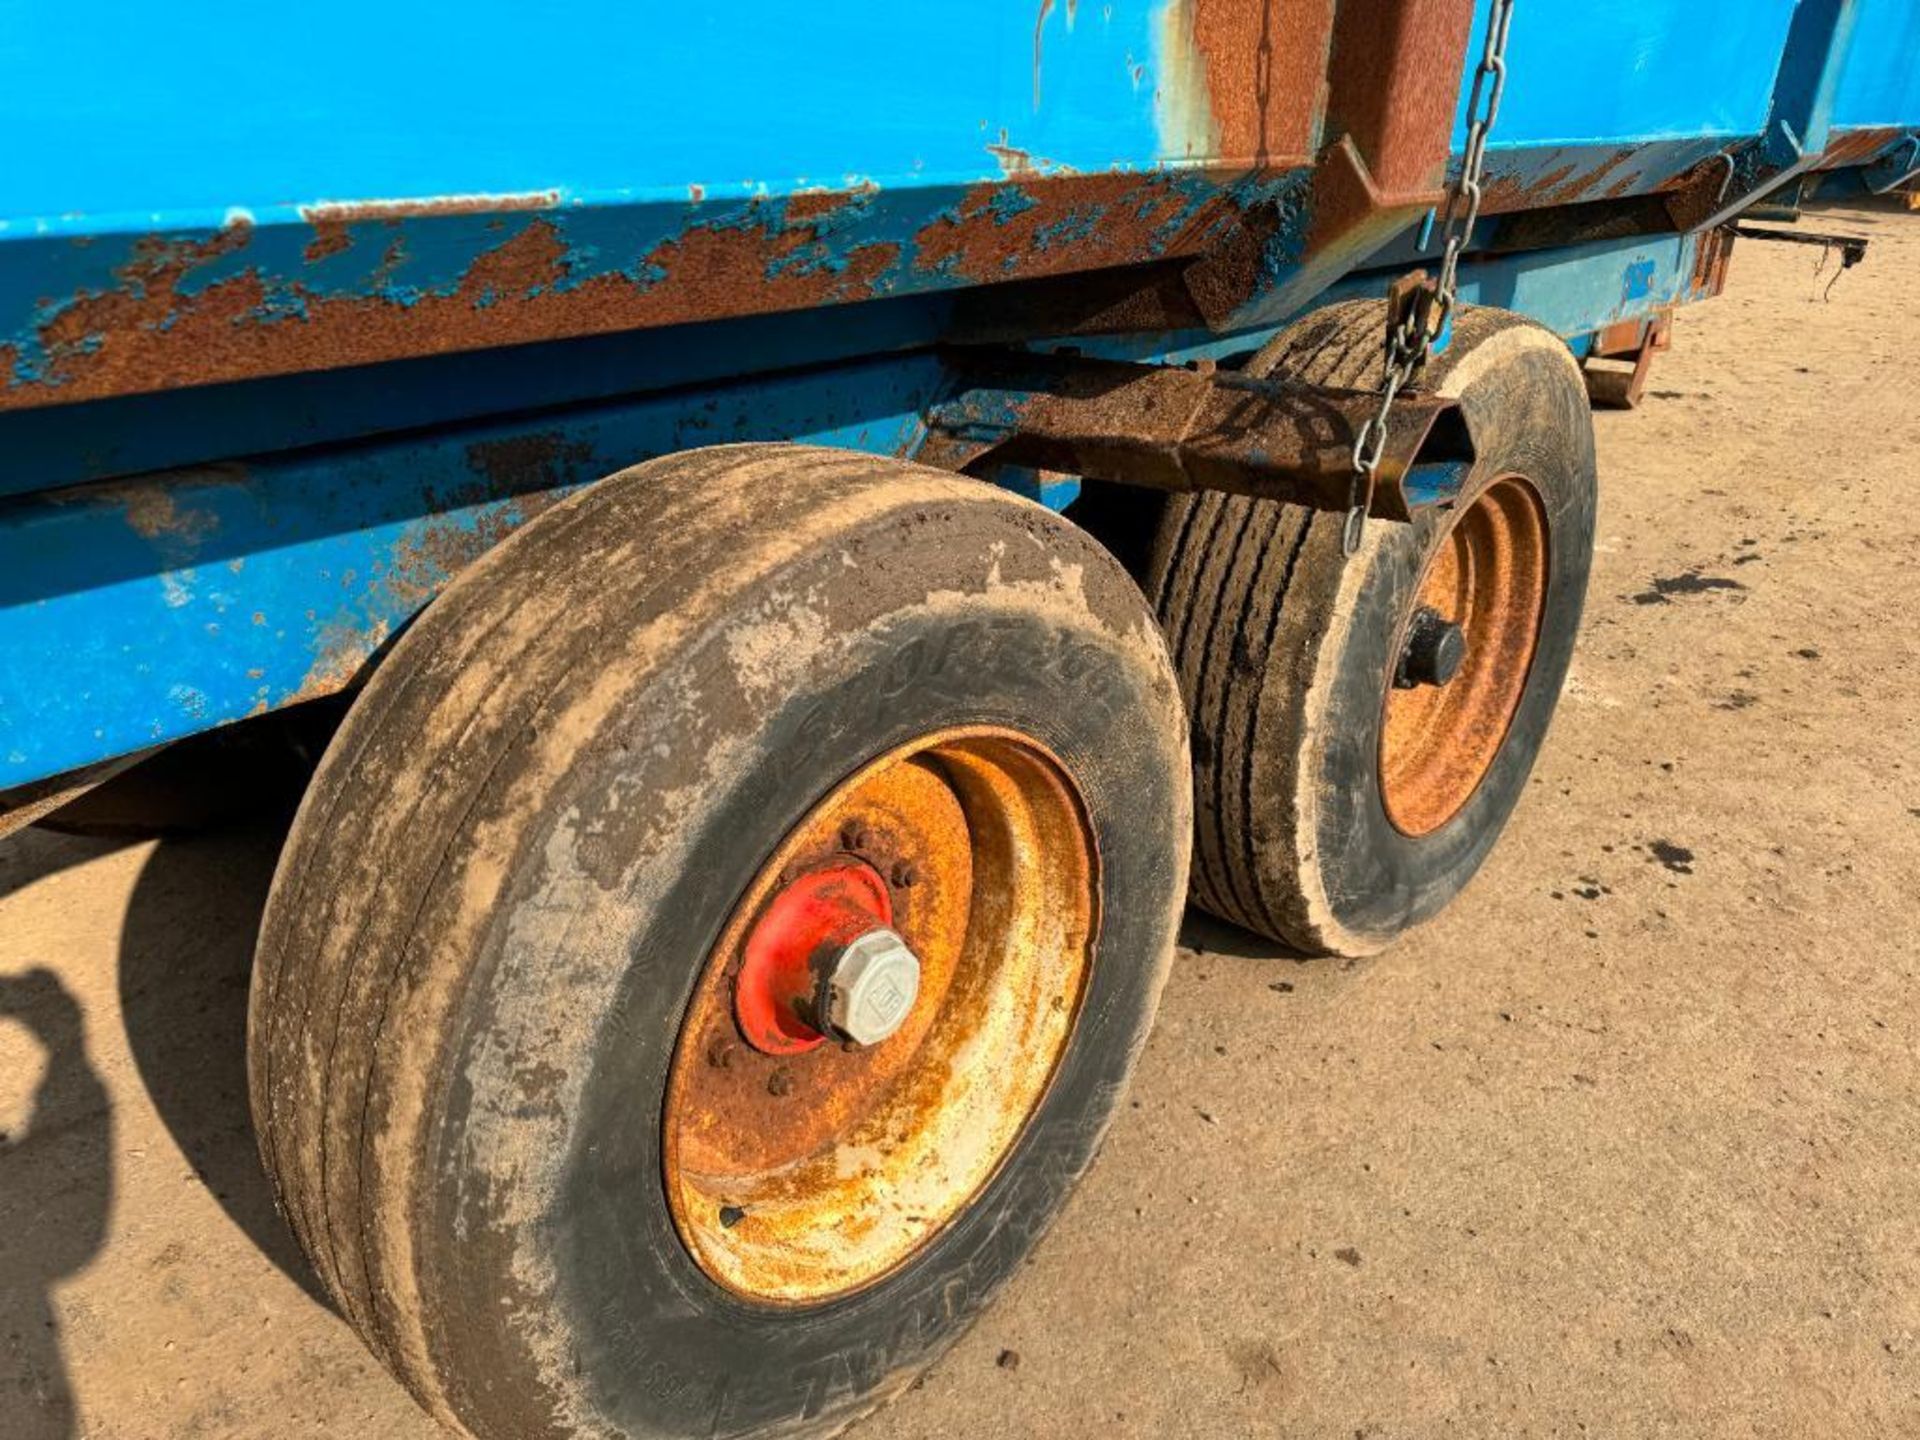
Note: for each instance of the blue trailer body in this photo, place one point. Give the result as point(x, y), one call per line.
point(300, 312)
point(1880, 85)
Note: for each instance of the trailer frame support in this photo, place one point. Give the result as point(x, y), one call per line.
point(1180, 428)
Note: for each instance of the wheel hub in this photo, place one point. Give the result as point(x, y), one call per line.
point(813, 944)
point(1464, 656)
point(1435, 648)
point(881, 1016)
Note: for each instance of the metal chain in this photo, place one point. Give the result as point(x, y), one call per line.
point(1419, 328)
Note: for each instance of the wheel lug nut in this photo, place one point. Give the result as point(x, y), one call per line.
point(854, 835)
point(1433, 652)
point(780, 1082)
point(720, 1053)
point(905, 874)
point(870, 987)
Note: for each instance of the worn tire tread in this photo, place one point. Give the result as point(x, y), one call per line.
point(1246, 590)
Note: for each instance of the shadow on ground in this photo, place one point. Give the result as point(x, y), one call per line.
point(183, 998)
point(58, 1176)
point(1206, 934)
point(183, 1001)
point(34, 855)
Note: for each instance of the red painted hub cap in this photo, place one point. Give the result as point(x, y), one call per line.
point(773, 997)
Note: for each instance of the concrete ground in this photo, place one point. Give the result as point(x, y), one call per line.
point(1623, 1145)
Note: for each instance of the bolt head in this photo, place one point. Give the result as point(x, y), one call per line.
point(871, 986)
point(1434, 650)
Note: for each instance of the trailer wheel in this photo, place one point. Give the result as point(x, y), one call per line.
point(716, 942)
point(1363, 726)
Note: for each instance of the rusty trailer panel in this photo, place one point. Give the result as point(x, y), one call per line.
point(1263, 148)
point(271, 371)
point(182, 599)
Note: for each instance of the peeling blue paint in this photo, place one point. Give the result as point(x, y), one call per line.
point(306, 564)
point(297, 261)
point(1637, 284)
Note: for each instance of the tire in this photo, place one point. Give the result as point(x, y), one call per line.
point(1286, 647)
point(494, 909)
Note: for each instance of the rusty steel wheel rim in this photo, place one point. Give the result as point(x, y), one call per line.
point(801, 1167)
point(1488, 577)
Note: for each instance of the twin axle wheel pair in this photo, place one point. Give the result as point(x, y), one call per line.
point(722, 930)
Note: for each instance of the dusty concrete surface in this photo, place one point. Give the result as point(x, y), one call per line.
point(1623, 1145)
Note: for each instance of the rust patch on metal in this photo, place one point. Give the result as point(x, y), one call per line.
point(152, 515)
point(1607, 175)
point(1620, 359)
point(1591, 180)
point(147, 335)
point(1712, 168)
point(808, 205)
point(1244, 76)
point(1176, 429)
point(1221, 281)
point(1856, 147)
point(439, 547)
point(718, 272)
point(1509, 192)
point(1713, 252)
point(1068, 222)
point(432, 552)
point(509, 464)
point(330, 237)
point(341, 652)
point(1393, 78)
point(1012, 160)
point(1627, 184)
point(89, 337)
point(1392, 74)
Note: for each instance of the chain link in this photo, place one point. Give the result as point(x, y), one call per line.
point(1421, 326)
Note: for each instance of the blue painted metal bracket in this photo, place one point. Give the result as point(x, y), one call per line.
point(1800, 119)
point(1899, 165)
point(1572, 291)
